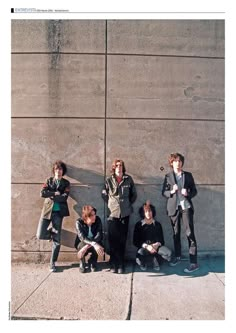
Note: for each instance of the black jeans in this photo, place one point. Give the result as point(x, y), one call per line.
point(187, 218)
point(145, 256)
point(44, 233)
point(117, 236)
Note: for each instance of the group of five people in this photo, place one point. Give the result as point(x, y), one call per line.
point(119, 193)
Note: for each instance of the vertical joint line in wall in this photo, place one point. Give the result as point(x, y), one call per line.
point(105, 118)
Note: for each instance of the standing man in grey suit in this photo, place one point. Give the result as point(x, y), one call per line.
point(179, 189)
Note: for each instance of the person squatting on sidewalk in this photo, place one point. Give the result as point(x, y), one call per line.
point(179, 189)
point(120, 193)
point(149, 240)
point(89, 238)
point(55, 191)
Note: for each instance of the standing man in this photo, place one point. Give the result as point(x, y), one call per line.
point(119, 193)
point(179, 189)
point(55, 191)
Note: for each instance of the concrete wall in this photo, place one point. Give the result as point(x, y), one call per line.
point(89, 91)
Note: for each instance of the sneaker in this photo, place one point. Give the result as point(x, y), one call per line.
point(142, 267)
point(93, 267)
point(113, 269)
point(120, 270)
point(156, 266)
point(53, 268)
point(175, 261)
point(191, 268)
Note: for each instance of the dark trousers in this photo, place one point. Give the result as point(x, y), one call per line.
point(187, 219)
point(145, 256)
point(117, 236)
point(44, 233)
point(94, 256)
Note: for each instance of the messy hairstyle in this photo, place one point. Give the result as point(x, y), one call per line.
point(60, 165)
point(113, 167)
point(147, 206)
point(87, 212)
point(175, 156)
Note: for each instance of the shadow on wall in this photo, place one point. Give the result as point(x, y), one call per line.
point(84, 176)
point(86, 190)
point(68, 238)
point(89, 184)
point(208, 217)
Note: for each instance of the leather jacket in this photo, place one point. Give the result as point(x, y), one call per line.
point(83, 230)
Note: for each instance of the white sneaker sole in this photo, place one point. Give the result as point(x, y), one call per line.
point(186, 270)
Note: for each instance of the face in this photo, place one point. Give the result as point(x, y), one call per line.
point(58, 172)
point(91, 219)
point(119, 169)
point(148, 214)
point(177, 164)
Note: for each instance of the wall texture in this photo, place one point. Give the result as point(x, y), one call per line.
point(87, 92)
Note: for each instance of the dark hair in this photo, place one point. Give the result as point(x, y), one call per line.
point(61, 165)
point(113, 167)
point(174, 156)
point(87, 212)
point(146, 206)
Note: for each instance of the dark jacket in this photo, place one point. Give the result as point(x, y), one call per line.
point(169, 182)
point(48, 192)
point(83, 229)
point(119, 196)
point(147, 233)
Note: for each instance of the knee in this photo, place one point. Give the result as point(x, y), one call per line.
point(140, 252)
point(56, 243)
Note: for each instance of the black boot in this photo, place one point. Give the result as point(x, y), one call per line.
point(82, 268)
point(92, 265)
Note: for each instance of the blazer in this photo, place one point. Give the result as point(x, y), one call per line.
point(48, 192)
point(169, 182)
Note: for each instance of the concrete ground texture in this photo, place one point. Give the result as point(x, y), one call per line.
point(169, 294)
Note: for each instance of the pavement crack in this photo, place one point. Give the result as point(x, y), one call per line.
point(215, 274)
point(30, 295)
point(131, 295)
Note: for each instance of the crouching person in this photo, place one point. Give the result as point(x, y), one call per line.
point(89, 238)
point(149, 240)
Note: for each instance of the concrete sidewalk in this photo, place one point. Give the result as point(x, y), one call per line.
point(67, 294)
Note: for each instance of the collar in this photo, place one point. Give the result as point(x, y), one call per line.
point(57, 180)
point(144, 222)
point(124, 176)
